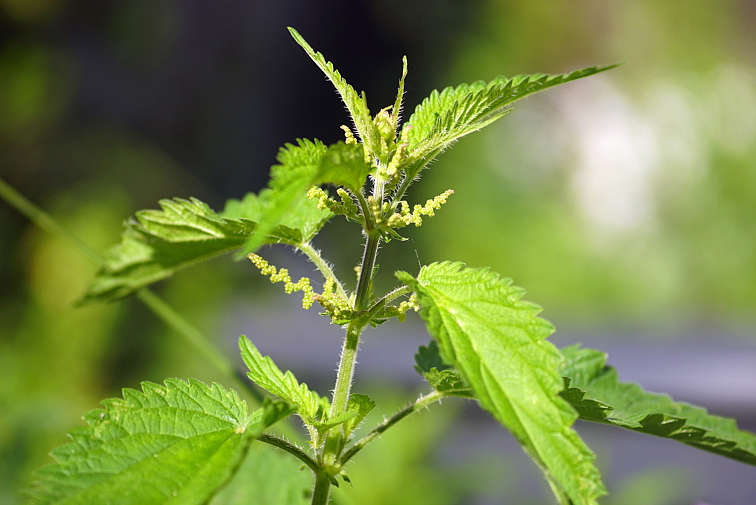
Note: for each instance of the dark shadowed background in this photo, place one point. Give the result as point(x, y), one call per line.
point(624, 203)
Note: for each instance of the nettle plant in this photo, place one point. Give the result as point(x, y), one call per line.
point(181, 442)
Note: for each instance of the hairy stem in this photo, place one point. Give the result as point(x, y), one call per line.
point(335, 439)
point(291, 449)
point(366, 270)
point(410, 409)
point(365, 208)
point(354, 329)
point(322, 488)
point(388, 298)
point(325, 269)
point(345, 374)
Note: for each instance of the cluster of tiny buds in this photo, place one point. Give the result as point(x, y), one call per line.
point(282, 275)
point(346, 207)
point(399, 311)
point(404, 217)
point(410, 304)
point(385, 123)
point(334, 304)
point(349, 135)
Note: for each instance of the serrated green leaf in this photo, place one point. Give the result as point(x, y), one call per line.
point(302, 166)
point(172, 444)
point(361, 405)
point(440, 375)
point(159, 243)
point(627, 405)
point(429, 357)
point(289, 181)
point(299, 225)
point(445, 116)
point(496, 343)
point(355, 104)
point(264, 372)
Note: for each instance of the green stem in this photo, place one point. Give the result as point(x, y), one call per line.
point(335, 440)
point(354, 329)
point(410, 409)
point(366, 213)
point(366, 270)
point(325, 269)
point(345, 374)
point(388, 298)
point(322, 488)
point(176, 321)
point(153, 302)
point(291, 449)
point(43, 220)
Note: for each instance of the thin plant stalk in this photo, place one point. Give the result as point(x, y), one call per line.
point(156, 304)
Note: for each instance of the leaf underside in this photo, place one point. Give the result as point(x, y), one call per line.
point(159, 243)
point(597, 394)
point(496, 343)
point(172, 444)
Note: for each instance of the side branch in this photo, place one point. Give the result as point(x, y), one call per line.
point(291, 449)
point(388, 298)
point(410, 409)
point(325, 269)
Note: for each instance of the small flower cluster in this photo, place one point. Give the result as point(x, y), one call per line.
point(404, 217)
point(349, 135)
point(338, 308)
point(334, 304)
point(282, 275)
point(345, 207)
point(400, 312)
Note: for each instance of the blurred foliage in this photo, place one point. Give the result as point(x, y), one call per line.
point(626, 199)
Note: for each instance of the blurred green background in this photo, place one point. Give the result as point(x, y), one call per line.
point(625, 203)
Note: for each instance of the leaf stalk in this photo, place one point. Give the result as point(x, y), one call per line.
point(291, 449)
point(410, 409)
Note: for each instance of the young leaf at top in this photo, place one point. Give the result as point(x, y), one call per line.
point(627, 405)
point(445, 116)
point(159, 243)
point(165, 445)
point(496, 343)
point(355, 104)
